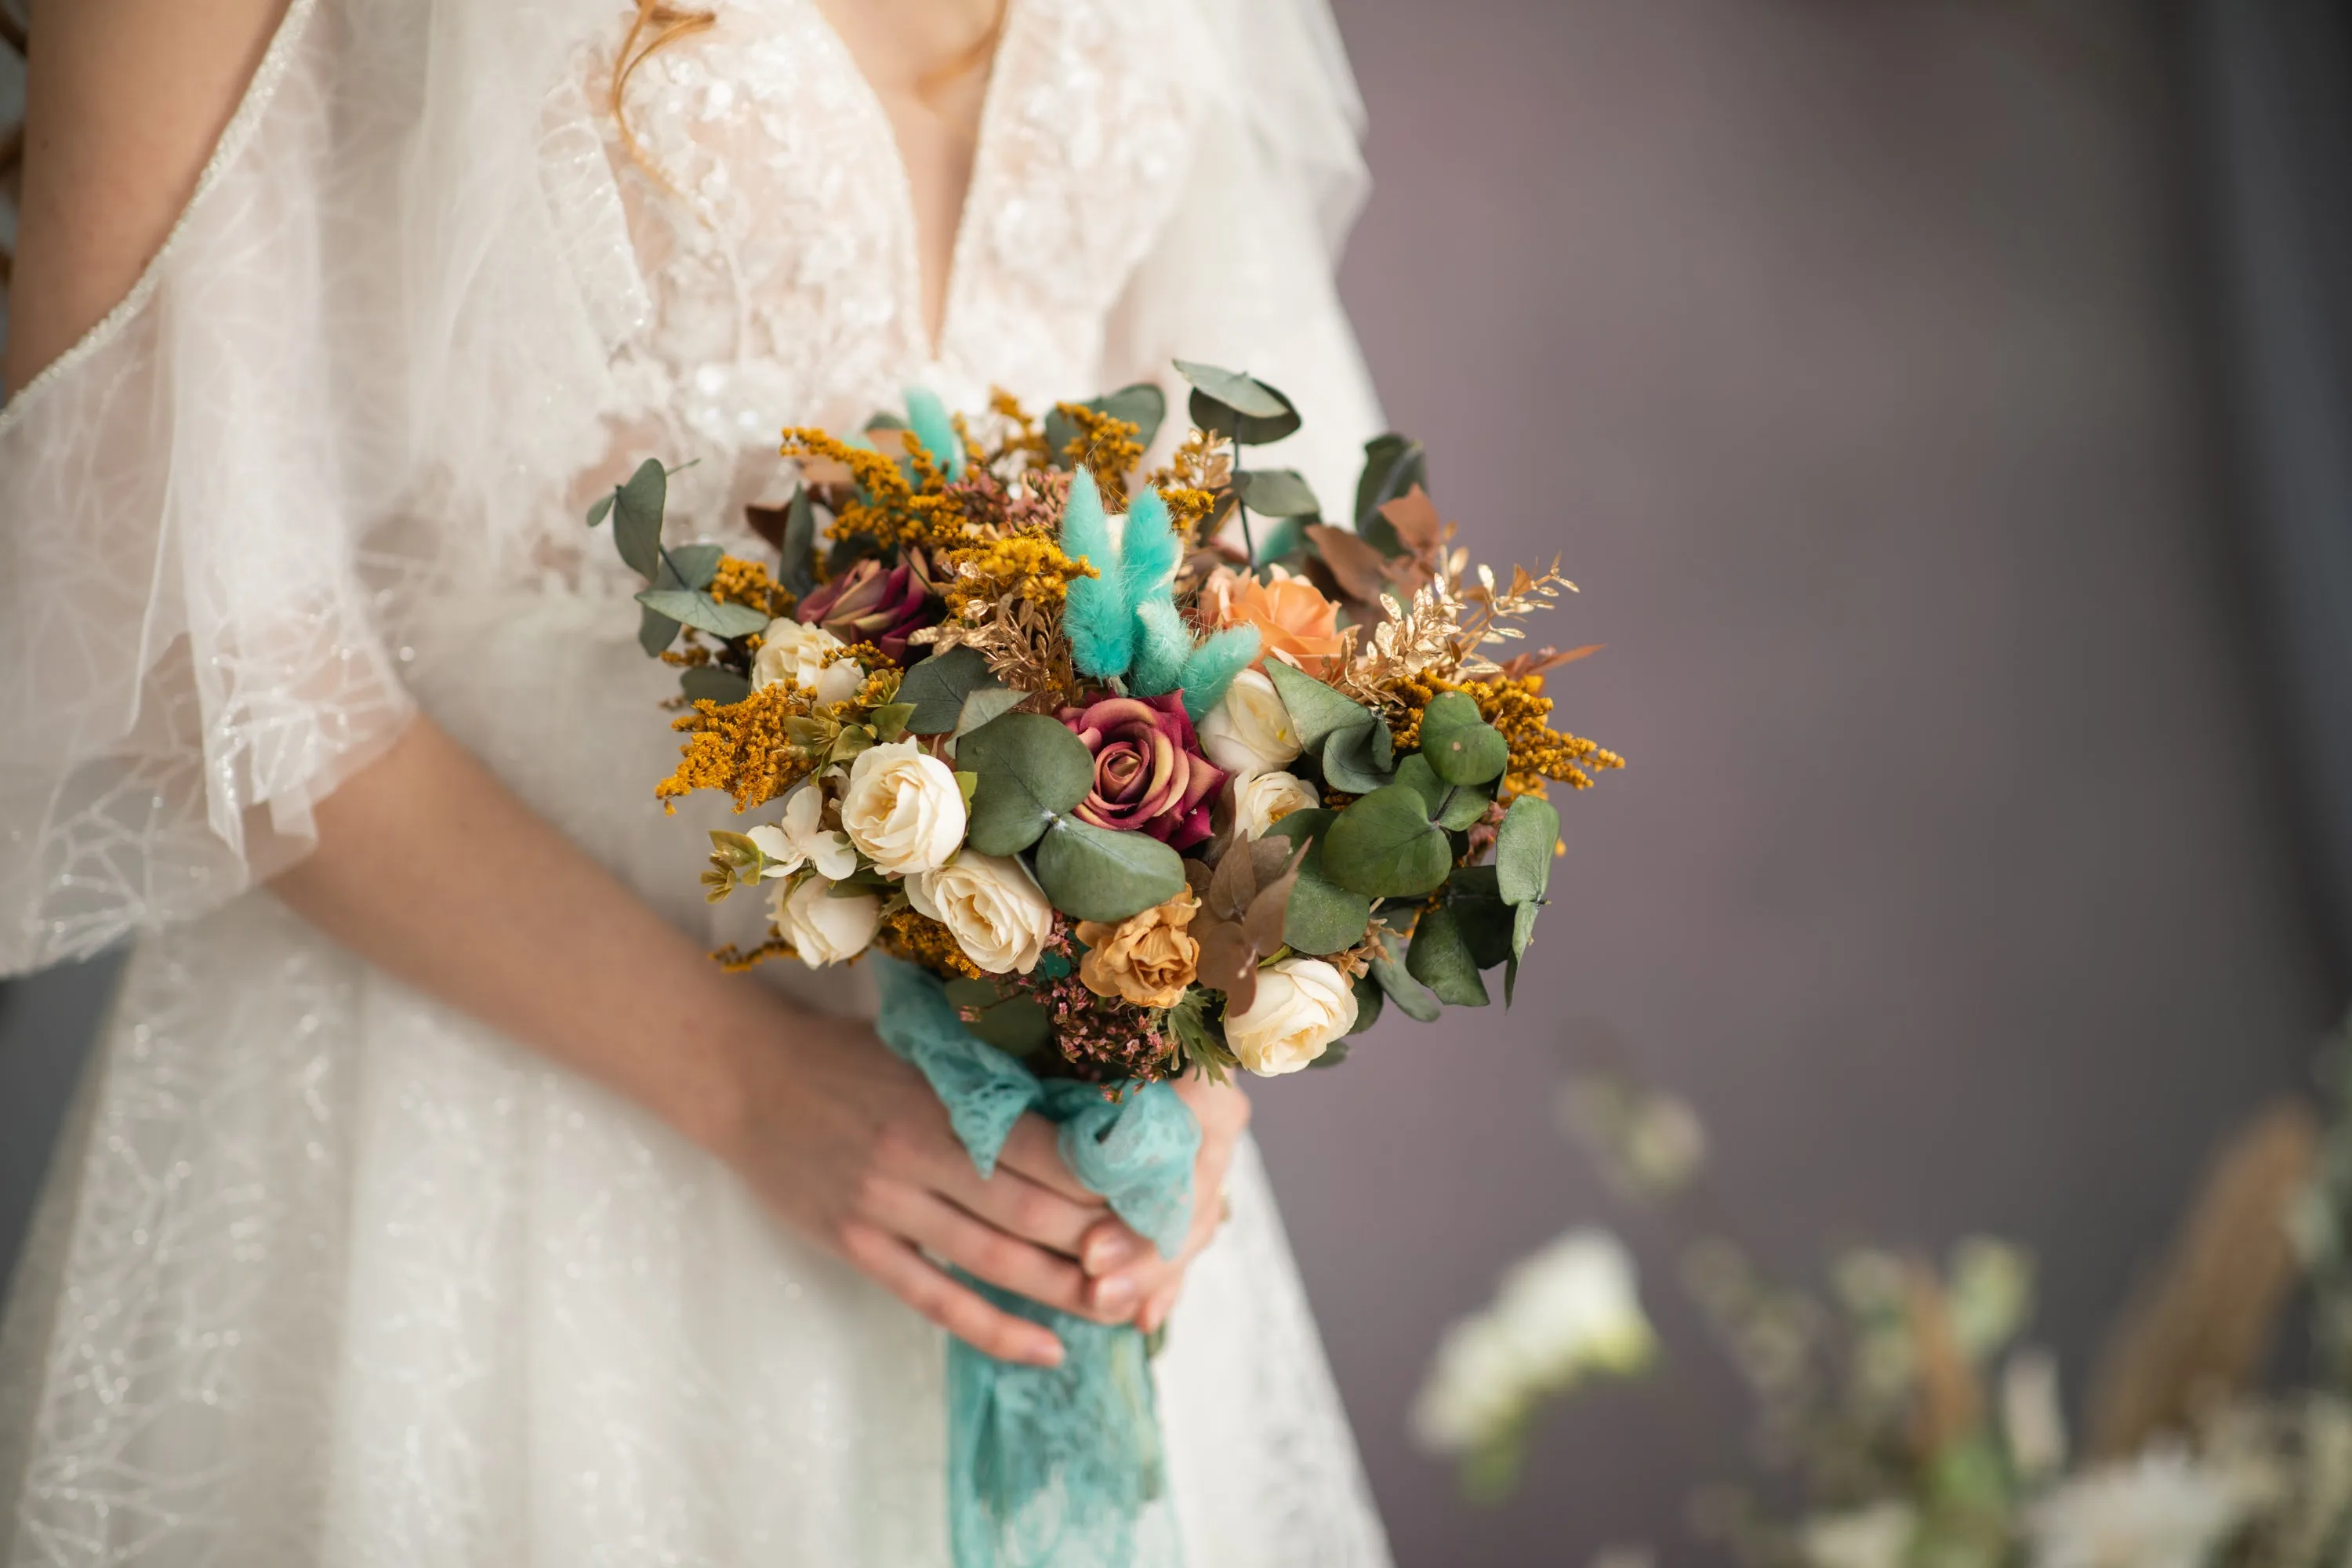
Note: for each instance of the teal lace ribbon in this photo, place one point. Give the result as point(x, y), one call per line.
point(1052, 1467)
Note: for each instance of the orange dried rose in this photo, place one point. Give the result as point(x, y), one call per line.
point(1147, 959)
point(1292, 618)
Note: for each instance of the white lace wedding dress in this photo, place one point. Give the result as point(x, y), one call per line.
point(326, 1273)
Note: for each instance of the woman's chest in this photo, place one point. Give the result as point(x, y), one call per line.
point(773, 228)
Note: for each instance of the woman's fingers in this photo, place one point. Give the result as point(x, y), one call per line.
point(1144, 1275)
point(1015, 1205)
point(1034, 1149)
point(945, 1231)
point(914, 1280)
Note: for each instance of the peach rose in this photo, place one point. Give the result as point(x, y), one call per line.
point(1291, 616)
point(1149, 958)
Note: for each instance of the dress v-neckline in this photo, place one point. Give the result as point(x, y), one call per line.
point(935, 347)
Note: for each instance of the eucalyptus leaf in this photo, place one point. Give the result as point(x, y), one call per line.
point(1323, 917)
point(693, 565)
point(1285, 539)
point(1331, 1056)
point(602, 507)
point(1357, 760)
point(703, 613)
point(1278, 492)
point(655, 632)
point(985, 704)
point(1416, 771)
point(971, 994)
point(1511, 972)
point(1240, 392)
point(1032, 769)
point(796, 571)
point(1459, 742)
point(1485, 925)
point(1393, 464)
point(1413, 999)
point(1463, 805)
point(1095, 874)
point(1440, 959)
point(1308, 822)
point(1523, 849)
point(1385, 846)
point(711, 683)
point(1316, 710)
point(1246, 430)
point(1016, 1025)
point(637, 519)
point(1523, 927)
point(1369, 1001)
point(939, 686)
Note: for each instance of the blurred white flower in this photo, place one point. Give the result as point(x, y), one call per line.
point(1566, 1313)
point(1878, 1536)
point(2160, 1510)
point(2033, 1421)
point(1991, 1294)
point(799, 841)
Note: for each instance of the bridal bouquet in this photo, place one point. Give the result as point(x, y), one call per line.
point(1121, 799)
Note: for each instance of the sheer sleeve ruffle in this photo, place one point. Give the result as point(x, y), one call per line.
point(369, 362)
point(1244, 275)
point(187, 659)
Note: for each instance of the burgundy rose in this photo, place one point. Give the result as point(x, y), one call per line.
point(869, 603)
point(1150, 774)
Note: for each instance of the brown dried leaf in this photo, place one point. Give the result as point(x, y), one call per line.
point(1226, 961)
point(1263, 925)
point(1414, 517)
point(1358, 569)
point(1235, 884)
point(1538, 661)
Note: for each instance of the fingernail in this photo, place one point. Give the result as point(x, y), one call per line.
point(1045, 1351)
point(1114, 1293)
point(1107, 1254)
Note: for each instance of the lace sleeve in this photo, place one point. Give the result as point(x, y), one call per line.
point(187, 662)
point(1244, 274)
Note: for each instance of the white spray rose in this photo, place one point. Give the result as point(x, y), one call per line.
point(1260, 800)
point(1250, 731)
point(992, 908)
point(823, 929)
point(1302, 1006)
point(790, 649)
point(903, 808)
point(799, 839)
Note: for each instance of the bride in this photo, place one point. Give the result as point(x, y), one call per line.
point(432, 1198)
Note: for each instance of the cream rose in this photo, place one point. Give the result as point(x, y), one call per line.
point(1250, 731)
point(790, 649)
point(1260, 800)
point(902, 808)
point(1303, 1005)
point(800, 840)
point(991, 906)
point(823, 929)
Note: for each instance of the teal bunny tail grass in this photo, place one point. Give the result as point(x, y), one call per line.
point(927, 416)
point(1211, 667)
point(1148, 551)
point(1095, 619)
point(1162, 643)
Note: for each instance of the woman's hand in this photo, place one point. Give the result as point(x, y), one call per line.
point(851, 1146)
point(1128, 1273)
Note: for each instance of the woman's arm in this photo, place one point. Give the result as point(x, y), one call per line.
point(123, 101)
point(429, 867)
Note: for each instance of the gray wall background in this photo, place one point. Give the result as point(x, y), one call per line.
point(1853, 357)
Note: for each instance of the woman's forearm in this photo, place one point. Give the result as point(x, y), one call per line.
point(429, 867)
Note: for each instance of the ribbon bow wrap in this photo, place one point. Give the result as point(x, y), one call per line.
point(1052, 1467)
